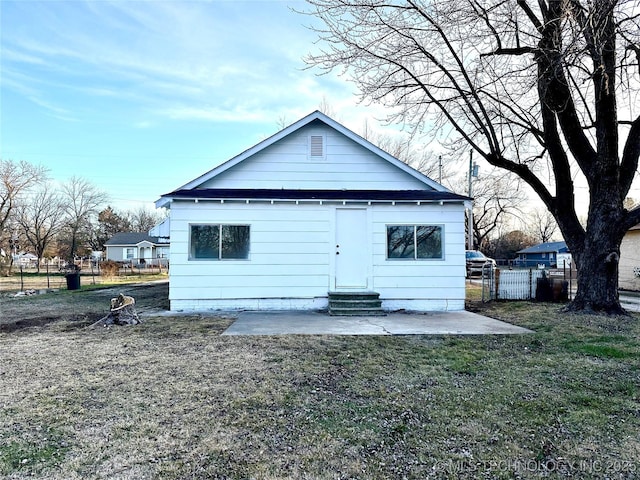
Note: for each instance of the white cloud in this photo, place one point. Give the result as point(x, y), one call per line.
point(214, 114)
point(54, 110)
point(171, 57)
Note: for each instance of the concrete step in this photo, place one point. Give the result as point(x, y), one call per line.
point(376, 303)
point(354, 295)
point(357, 312)
point(355, 304)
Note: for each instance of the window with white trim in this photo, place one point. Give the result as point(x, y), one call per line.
point(219, 242)
point(414, 242)
point(128, 253)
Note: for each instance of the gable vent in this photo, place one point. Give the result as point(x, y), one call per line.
point(316, 146)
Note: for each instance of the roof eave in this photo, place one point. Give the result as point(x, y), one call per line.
point(314, 200)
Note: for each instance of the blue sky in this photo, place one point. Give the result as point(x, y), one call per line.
point(140, 97)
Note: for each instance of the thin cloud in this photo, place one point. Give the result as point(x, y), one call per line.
point(167, 57)
point(216, 114)
point(54, 110)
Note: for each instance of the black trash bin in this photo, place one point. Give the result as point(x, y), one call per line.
point(543, 289)
point(560, 290)
point(73, 281)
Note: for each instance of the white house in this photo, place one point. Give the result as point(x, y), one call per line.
point(629, 264)
point(311, 210)
point(137, 248)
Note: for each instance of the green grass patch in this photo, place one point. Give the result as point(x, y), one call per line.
point(603, 351)
point(602, 347)
point(32, 455)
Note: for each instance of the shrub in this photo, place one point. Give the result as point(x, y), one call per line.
point(109, 268)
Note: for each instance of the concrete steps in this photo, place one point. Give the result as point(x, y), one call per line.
point(355, 304)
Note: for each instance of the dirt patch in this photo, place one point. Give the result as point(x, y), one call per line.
point(32, 322)
point(77, 308)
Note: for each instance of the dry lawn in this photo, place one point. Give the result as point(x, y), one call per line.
point(30, 280)
point(173, 399)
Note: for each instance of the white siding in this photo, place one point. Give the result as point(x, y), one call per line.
point(416, 284)
point(287, 164)
point(114, 253)
point(288, 255)
point(291, 259)
point(163, 229)
point(629, 259)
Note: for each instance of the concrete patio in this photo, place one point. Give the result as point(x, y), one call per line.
point(318, 323)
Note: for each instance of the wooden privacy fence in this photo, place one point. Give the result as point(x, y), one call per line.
point(524, 284)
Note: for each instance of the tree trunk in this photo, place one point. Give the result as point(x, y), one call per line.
point(597, 284)
point(597, 262)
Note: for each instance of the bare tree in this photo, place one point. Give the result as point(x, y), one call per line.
point(507, 245)
point(533, 87)
point(403, 146)
point(144, 219)
point(496, 198)
point(328, 109)
point(406, 149)
point(15, 180)
point(41, 219)
point(542, 225)
point(81, 201)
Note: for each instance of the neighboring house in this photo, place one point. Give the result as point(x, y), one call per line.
point(629, 265)
point(138, 248)
point(315, 208)
point(26, 260)
point(548, 255)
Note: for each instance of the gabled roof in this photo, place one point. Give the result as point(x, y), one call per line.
point(315, 116)
point(547, 247)
point(133, 238)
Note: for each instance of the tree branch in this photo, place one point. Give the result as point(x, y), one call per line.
point(510, 51)
point(630, 156)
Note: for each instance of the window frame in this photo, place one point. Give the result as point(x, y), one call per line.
point(415, 227)
point(219, 258)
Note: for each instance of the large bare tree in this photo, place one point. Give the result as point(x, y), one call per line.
point(16, 178)
point(497, 199)
point(144, 219)
point(547, 90)
point(40, 219)
point(81, 202)
point(542, 225)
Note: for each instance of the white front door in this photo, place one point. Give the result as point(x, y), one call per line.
point(351, 249)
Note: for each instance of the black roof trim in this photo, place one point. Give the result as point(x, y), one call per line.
point(133, 238)
point(289, 194)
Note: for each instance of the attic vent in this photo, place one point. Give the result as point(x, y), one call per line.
point(316, 146)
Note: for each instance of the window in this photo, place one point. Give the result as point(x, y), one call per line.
point(219, 242)
point(413, 242)
point(128, 253)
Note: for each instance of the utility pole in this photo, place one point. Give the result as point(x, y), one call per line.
point(473, 173)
